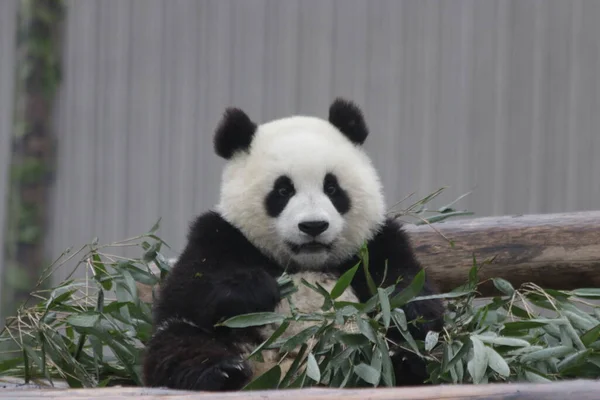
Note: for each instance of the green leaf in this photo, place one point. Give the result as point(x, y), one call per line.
point(312, 368)
point(442, 217)
point(253, 319)
point(546, 354)
point(138, 274)
point(376, 360)
point(384, 301)
point(353, 340)
point(449, 295)
point(479, 362)
point(266, 381)
point(457, 362)
point(285, 382)
point(100, 273)
point(574, 336)
point(364, 256)
point(343, 282)
point(524, 350)
point(590, 293)
point(366, 329)
point(579, 322)
point(431, 339)
point(521, 325)
point(410, 291)
point(473, 278)
point(84, 320)
point(574, 359)
point(151, 252)
point(591, 336)
point(504, 286)
point(56, 299)
point(278, 332)
point(503, 341)
point(387, 367)
point(399, 318)
point(367, 373)
point(535, 378)
point(155, 227)
point(327, 301)
point(497, 363)
point(299, 338)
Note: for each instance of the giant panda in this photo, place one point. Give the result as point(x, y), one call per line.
point(298, 194)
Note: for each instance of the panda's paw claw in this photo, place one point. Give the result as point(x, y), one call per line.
point(228, 374)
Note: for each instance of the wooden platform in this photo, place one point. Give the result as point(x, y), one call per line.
point(572, 390)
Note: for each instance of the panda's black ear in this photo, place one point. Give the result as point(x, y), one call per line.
point(234, 133)
point(348, 118)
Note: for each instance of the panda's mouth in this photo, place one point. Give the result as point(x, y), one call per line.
point(310, 247)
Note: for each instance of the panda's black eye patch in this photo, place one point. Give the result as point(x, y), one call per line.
point(283, 190)
point(338, 196)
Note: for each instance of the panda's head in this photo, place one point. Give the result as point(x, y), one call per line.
point(300, 188)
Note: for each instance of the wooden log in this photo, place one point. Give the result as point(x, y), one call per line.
point(578, 389)
point(555, 251)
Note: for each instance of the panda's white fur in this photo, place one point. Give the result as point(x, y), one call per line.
point(304, 148)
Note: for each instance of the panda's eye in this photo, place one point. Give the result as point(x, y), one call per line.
point(330, 190)
point(285, 191)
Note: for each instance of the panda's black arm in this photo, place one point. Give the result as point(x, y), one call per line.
point(218, 275)
point(212, 280)
point(392, 244)
point(206, 297)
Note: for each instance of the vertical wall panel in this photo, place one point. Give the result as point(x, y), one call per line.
point(281, 64)
point(8, 20)
point(498, 96)
point(184, 96)
point(315, 60)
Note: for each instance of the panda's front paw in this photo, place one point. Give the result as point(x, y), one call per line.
point(227, 375)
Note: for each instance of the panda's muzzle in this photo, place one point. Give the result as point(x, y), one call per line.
point(310, 247)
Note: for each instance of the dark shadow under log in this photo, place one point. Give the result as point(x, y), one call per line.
point(555, 251)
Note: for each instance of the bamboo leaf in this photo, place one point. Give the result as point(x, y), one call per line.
point(504, 286)
point(591, 336)
point(384, 301)
point(497, 363)
point(367, 373)
point(431, 339)
point(312, 368)
point(343, 282)
point(410, 291)
point(479, 362)
point(268, 380)
point(253, 319)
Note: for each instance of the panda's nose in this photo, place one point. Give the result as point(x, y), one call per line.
point(313, 228)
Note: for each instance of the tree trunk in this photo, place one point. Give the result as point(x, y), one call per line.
point(555, 251)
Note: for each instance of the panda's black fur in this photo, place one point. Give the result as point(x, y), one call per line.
point(221, 274)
